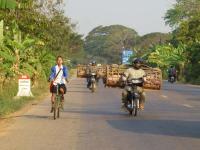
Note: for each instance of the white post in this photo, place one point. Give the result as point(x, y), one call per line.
point(24, 86)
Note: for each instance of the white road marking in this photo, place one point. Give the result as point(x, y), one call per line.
point(187, 105)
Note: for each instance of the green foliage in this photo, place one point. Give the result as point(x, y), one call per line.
point(182, 10)
point(166, 55)
point(34, 34)
point(9, 105)
point(184, 50)
point(148, 41)
point(8, 4)
point(31, 43)
point(107, 42)
point(193, 68)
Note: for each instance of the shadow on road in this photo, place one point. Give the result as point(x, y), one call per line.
point(35, 117)
point(159, 127)
point(96, 113)
point(79, 84)
point(78, 91)
point(78, 87)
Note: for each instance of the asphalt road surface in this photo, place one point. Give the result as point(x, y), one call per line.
point(170, 121)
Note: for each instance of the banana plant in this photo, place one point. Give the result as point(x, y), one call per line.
point(8, 4)
point(166, 55)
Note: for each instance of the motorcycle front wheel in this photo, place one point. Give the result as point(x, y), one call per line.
point(135, 107)
point(93, 88)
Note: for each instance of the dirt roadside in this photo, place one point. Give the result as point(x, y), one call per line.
point(9, 119)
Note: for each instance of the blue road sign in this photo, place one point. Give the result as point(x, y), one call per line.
point(126, 54)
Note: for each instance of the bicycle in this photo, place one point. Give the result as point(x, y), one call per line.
point(57, 104)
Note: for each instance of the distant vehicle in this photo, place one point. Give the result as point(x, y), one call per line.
point(172, 79)
point(93, 82)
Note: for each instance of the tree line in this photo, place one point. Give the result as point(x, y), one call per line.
point(180, 48)
point(32, 34)
point(183, 48)
point(105, 43)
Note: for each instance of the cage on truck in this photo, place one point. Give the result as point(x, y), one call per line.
point(114, 73)
point(81, 71)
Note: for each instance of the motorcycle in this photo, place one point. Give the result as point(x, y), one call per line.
point(133, 97)
point(93, 82)
point(171, 79)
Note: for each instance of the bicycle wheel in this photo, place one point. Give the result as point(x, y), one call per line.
point(58, 112)
point(54, 113)
point(55, 108)
point(93, 87)
point(135, 107)
point(131, 112)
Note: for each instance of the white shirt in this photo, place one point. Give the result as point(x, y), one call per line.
point(60, 79)
point(132, 73)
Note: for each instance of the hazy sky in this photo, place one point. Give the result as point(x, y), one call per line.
point(144, 16)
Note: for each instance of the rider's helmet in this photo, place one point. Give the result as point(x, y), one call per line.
point(137, 63)
point(93, 63)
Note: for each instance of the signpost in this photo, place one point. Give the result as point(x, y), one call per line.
point(24, 86)
point(126, 54)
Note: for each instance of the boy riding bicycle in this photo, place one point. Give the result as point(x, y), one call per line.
point(59, 75)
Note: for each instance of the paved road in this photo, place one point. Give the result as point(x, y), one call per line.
point(171, 121)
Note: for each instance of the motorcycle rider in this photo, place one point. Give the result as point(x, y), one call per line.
point(88, 73)
point(171, 72)
point(135, 73)
point(91, 69)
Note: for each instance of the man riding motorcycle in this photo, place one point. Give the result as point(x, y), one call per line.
point(91, 69)
point(134, 73)
point(172, 73)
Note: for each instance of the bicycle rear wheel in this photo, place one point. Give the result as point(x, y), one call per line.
point(55, 110)
point(58, 113)
point(54, 113)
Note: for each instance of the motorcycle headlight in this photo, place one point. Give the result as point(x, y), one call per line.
point(124, 78)
point(129, 88)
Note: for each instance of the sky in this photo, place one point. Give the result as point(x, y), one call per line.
point(145, 16)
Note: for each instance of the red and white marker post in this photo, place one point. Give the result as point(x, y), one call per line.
point(24, 88)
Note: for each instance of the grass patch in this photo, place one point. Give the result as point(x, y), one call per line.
point(8, 104)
